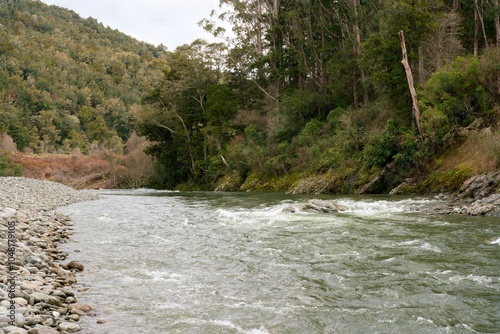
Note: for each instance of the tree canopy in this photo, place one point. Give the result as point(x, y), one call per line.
point(65, 81)
point(318, 87)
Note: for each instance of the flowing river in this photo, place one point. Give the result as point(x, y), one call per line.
point(200, 262)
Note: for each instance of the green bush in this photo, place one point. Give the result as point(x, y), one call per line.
point(456, 92)
point(309, 133)
point(381, 149)
point(7, 168)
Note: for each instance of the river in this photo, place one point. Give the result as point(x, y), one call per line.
point(201, 262)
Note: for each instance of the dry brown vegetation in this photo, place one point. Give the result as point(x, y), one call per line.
point(76, 170)
point(101, 169)
point(480, 152)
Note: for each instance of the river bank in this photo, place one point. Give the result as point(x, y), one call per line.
point(478, 196)
point(35, 293)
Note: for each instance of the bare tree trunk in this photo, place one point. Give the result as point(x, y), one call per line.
point(497, 22)
point(454, 11)
point(480, 16)
point(421, 70)
point(355, 89)
point(260, 49)
point(409, 77)
point(476, 29)
point(357, 51)
point(497, 32)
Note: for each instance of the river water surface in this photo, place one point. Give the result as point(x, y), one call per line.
point(172, 262)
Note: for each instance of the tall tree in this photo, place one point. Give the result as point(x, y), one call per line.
point(178, 106)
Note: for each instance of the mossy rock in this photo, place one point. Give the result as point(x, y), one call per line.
point(445, 182)
point(258, 182)
point(229, 182)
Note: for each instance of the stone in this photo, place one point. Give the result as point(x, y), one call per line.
point(324, 206)
point(33, 260)
point(54, 301)
point(75, 265)
point(58, 293)
point(69, 327)
point(14, 330)
point(7, 212)
point(20, 301)
point(47, 330)
point(480, 186)
point(73, 317)
point(289, 209)
point(5, 319)
point(82, 307)
point(33, 320)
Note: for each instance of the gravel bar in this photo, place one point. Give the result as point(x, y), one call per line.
point(35, 287)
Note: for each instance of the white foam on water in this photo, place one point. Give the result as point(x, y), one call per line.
point(229, 324)
point(409, 242)
point(224, 323)
point(429, 247)
point(383, 207)
point(104, 219)
point(425, 320)
point(267, 215)
point(481, 280)
point(495, 242)
point(169, 306)
point(418, 243)
point(158, 275)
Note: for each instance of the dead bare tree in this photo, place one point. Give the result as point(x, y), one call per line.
point(409, 77)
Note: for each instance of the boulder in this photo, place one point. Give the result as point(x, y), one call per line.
point(480, 186)
point(324, 206)
point(75, 265)
point(69, 327)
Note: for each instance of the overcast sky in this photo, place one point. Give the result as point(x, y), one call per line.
point(171, 22)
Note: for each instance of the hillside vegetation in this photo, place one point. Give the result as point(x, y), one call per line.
point(67, 83)
point(302, 96)
point(312, 97)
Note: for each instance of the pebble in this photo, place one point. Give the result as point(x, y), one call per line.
point(41, 298)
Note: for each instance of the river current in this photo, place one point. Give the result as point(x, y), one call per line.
point(200, 262)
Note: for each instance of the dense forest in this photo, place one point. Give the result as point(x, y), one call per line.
point(304, 96)
point(68, 82)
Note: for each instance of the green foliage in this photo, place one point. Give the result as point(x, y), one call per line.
point(255, 135)
point(297, 107)
point(381, 149)
point(453, 97)
point(456, 91)
point(52, 60)
point(307, 88)
point(7, 168)
point(309, 133)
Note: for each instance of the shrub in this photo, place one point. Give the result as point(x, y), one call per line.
point(456, 92)
point(7, 168)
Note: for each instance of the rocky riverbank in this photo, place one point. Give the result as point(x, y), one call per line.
point(35, 293)
point(478, 196)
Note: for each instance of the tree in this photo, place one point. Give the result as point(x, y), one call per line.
point(177, 106)
point(48, 131)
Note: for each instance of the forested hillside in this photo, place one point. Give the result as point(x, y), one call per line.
point(311, 96)
point(67, 83)
point(303, 96)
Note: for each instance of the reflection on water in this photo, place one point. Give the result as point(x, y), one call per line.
point(169, 262)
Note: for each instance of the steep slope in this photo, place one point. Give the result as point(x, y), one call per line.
point(65, 81)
